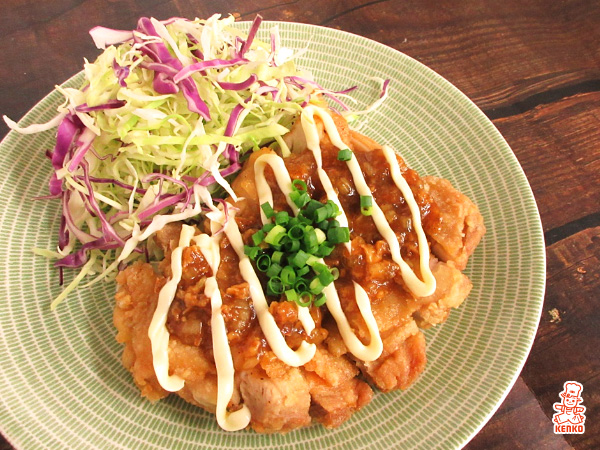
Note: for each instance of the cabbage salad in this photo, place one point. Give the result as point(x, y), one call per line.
point(165, 115)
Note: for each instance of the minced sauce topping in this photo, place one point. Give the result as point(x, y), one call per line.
point(418, 280)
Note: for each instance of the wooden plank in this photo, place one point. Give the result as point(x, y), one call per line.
point(568, 337)
point(508, 431)
point(558, 146)
point(494, 55)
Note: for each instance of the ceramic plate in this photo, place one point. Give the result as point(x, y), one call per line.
point(62, 384)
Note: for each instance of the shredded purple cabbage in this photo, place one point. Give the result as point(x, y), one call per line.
point(185, 72)
point(239, 86)
point(121, 73)
point(107, 230)
point(111, 104)
point(159, 53)
point(253, 29)
point(80, 257)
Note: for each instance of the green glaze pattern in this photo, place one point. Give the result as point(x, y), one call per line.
point(62, 384)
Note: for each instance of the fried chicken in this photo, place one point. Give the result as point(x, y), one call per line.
point(334, 384)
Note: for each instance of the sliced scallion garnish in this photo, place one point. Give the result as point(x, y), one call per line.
point(345, 154)
point(290, 250)
point(366, 205)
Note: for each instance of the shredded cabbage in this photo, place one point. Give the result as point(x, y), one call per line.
point(163, 119)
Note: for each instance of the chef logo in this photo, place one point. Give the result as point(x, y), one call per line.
point(569, 417)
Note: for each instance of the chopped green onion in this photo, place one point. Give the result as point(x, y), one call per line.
point(310, 238)
point(277, 257)
point(320, 268)
point(322, 213)
point(326, 277)
point(335, 272)
point(305, 299)
point(299, 259)
point(338, 235)
point(291, 295)
point(273, 270)
point(345, 154)
point(365, 201)
point(366, 205)
point(290, 250)
point(320, 300)
point(324, 250)
point(311, 207)
point(334, 208)
point(302, 271)
point(291, 246)
point(274, 286)
point(299, 185)
point(312, 260)
point(274, 236)
point(300, 198)
point(251, 252)
point(323, 225)
point(288, 275)
point(296, 232)
point(258, 237)
point(304, 220)
point(320, 235)
point(268, 210)
point(282, 218)
point(263, 262)
point(300, 285)
point(315, 286)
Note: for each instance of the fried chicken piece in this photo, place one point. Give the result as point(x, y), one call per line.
point(401, 368)
point(135, 304)
point(335, 390)
point(278, 397)
point(167, 237)
point(452, 289)
point(136, 301)
point(403, 358)
point(461, 226)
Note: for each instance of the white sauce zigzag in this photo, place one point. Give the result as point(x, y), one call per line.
point(238, 420)
point(209, 245)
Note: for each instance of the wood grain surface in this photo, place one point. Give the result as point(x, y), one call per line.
point(532, 66)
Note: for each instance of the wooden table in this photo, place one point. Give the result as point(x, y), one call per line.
point(532, 66)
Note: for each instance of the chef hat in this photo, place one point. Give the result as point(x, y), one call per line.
point(572, 389)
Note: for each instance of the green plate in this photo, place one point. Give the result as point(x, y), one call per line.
point(61, 380)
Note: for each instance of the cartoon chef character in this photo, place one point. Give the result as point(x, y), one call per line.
point(567, 410)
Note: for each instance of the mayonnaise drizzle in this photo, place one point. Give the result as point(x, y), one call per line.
point(414, 284)
point(157, 332)
point(283, 180)
point(266, 320)
point(418, 287)
point(209, 246)
point(365, 352)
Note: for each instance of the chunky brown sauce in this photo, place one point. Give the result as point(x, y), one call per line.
point(369, 264)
